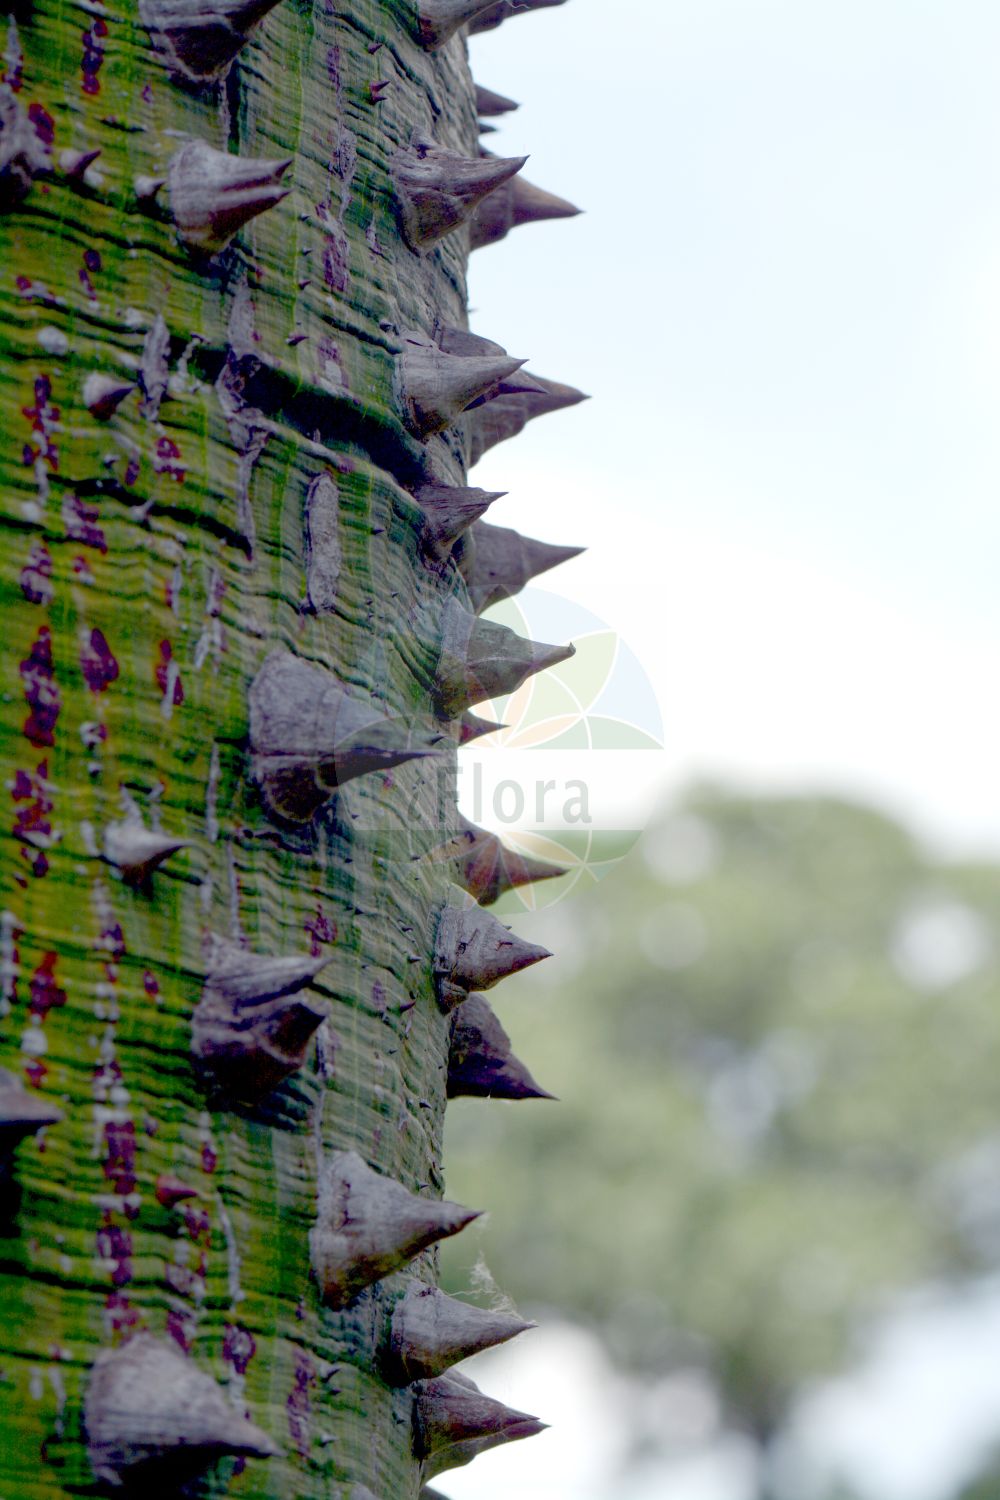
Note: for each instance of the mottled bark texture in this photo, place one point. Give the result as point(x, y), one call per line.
point(234, 374)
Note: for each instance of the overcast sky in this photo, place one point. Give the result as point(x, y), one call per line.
point(785, 300)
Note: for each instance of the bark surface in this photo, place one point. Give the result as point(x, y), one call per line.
point(207, 458)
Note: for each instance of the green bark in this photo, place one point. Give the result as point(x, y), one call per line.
point(252, 491)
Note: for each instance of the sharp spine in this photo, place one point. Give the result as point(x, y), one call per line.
point(453, 1422)
point(480, 660)
point(472, 727)
point(440, 190)
point(21, 1113)
point(493, 15)
point(368, 1226)
point(473, 346)
point(22, 154)
point(213, 194)
point(149, 1410)
point(496, 562)
point(514, 203)
point(430, 1332)
point(489, 104)
point(449, 511)
point(438, 20)
point(308, 736)
point(486, 868)
point(248, 1030)
point(171, 1190)
point(437, 387)
point(481, 1064)
point(103, 394)
point(147, 189)
point(137, 850)
point(518, 384)
point(198, 39)
point(74, 164)
point(473, 951)
point(508, 415)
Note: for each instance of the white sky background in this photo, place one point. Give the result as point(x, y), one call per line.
point(785, 299)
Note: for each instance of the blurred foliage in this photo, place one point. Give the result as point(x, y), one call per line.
point(774, 1032)
point(986, 1485)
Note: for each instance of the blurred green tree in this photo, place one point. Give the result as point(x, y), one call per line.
point(775, 1045)
point(986, 1484)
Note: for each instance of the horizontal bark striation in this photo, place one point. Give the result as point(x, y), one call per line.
point(155, 550)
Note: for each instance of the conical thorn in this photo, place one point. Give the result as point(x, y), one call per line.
point(248, 978)
point(437, 387)
point(481, 1064)
point(439, 190)
point(438, 20)
point(472, 727)
point(486, 868)
point(23, 154)
point(518, 384)
point(488, 103)
point(171, 1190)
point(198, 39)
point(368, 1226)
point(308, 736)
point(508, 415)
point(450, 510)
point(473, 951)
point(430, 1332)
point(516, 202)
point(453, 1422)
point(147, 189)
point(213, 194)
point(74, 164)
point(495, 14)
point(496, 562)
point(22, 1113)
point(137, 851)
point(103, 394)
point(151, 1414)
point(480, 660)
point(248, 1030)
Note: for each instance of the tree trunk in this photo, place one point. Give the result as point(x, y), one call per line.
point(237, 656)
